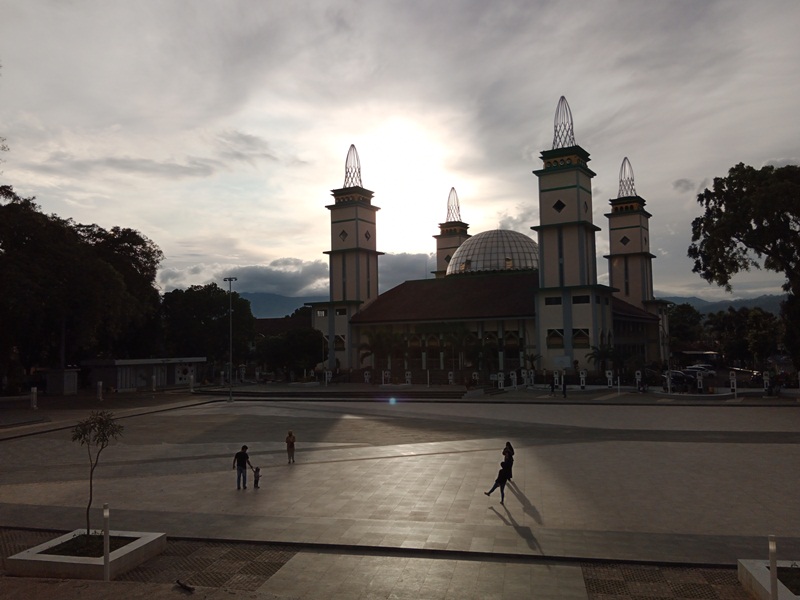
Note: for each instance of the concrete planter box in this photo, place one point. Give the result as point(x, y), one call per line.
point(754, 577)
point(36, 562)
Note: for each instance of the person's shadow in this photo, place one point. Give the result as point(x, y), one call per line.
point(524, 532)
point(529, 508)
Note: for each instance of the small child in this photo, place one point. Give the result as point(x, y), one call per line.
point(256, 477)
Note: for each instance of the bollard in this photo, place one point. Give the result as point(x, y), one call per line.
point(106, 545)
point(773, 568)
point(191, 383)
point(34, 398)
point(100, 391)
point(153, 383)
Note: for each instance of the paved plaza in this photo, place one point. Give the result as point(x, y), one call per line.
point(386, 499)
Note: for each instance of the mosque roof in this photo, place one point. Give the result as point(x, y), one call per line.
point(495, 295)
point(496, 250)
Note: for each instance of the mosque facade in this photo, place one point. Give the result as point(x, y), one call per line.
point(500, 304)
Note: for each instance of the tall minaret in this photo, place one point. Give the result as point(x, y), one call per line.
point(452, 233)
point(573, 311)
point(630, 265)
point(353, 265)
point(630, 262)
point(353, 257)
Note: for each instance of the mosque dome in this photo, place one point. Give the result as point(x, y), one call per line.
point(498, 250)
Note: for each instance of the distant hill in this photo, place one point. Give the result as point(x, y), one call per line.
point(270, 306)
point(768, 303)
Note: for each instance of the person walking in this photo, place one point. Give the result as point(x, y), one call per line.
point(508, 458)
point(500, 482)
point(290, 440)
point(241, 461)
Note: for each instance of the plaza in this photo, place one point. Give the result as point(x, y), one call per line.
point(386, 498)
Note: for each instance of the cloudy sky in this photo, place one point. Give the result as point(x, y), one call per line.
point(218, 129)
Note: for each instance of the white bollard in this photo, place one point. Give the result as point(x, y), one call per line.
point(100, 391)
point(153, 383)
point(191, 383)
point(34, 398)
point(106, 545)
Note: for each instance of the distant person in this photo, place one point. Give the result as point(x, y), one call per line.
point(500, 482)
point(240, 462)
point(508, 458)
point(256, 477)
point(290, 440)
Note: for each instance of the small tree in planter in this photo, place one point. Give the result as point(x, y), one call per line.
point(95, 433)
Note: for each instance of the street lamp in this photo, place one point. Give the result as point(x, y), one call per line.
point(230, 281)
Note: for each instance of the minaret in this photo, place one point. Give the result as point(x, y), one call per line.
point(353, 265)
point(573, 311)
point(353, 257)
point(630, 261)
point(452, 233)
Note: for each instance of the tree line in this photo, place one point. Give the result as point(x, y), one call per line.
point(72, 291)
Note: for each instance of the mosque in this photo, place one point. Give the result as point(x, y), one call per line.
point(501, 304)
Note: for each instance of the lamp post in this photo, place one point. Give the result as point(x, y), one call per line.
point(230, 281)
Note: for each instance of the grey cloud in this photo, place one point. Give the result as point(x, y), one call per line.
point(246, 147)
point(782, 162)
point(288, 277)
point(397, 268)
point(523, 221)
point(683, 186)
point(62, 162)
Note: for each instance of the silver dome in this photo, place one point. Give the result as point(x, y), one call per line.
point(498, 250)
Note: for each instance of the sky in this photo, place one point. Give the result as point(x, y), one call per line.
point(218, 129)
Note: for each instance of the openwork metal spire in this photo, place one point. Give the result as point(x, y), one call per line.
point(453, 210)
point(352, 169)
point(564, 135)
point(626, 187)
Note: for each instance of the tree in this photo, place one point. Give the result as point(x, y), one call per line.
point(685, 327)
point(727, 331)
point(600, 355)
point(196, 322)
point(763, 334)
point(751, 217)
point(96, 434)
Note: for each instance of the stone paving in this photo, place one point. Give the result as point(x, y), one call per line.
point(392, 494)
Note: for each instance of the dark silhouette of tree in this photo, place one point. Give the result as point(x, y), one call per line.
point(751, 219)
point(196, 323)
point(685, 327)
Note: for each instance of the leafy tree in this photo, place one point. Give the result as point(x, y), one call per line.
point(763, 334)
point(752, 217)
point(727, 331)
point(382, 344)
point(62, 292)
point(685, 327)
point(196, 322)
point(600, 355)
point(96, 433)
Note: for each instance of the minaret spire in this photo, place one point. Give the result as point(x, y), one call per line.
point(626, 187)
point(352, 169)
point(564, 134)
point(453, 210)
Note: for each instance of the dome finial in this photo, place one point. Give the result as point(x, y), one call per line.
point(453, 209)
point(352, 169)
point(626, 187)
point(564, 135)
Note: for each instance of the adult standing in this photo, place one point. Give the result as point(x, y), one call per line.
point(508, 458)
point(241, 461)
point(500, 482)
point(290, 440)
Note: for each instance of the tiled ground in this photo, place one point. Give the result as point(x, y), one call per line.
point(246, 567)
